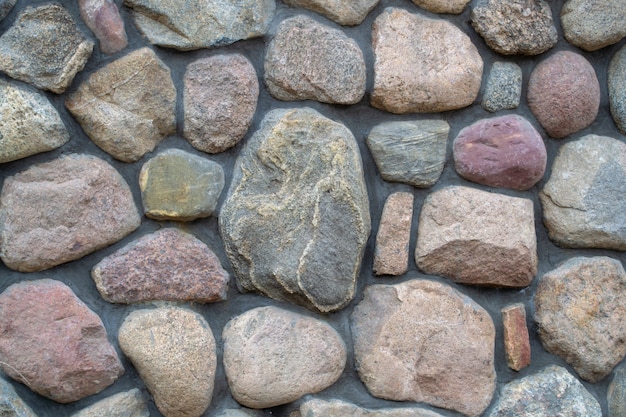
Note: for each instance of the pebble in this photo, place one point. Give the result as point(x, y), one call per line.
point(442, 6)
point(317, 407)
point(617, 88)
point(515, 333)
point(104, 20)
point(391, 256)
point(593, 24)
point(350, 13)
point(11, 405)
point(504, 87)
point(124, 404)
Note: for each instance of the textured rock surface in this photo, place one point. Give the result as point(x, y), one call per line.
point(617, 88)
point(398, 331)
point(29, 124)
point(166, 265)
point(273, 356)
point(391, 256)
point(53, 343)
point(44, 48)
point(503, 151)
point(616, 395)
point(476, 237)
point(504, 87)
point(295, 223)
point(104, 20)
point(343, 12)
point(580, 314)
point(307, 60)
point(552, 392)
point(442, 6)
point(515, 332)
point(173, 349)
point(5, 7)
point(413, 152)
point(65, 208)
point(11, 405)
point(413, 74)
point(582, 201)
point(178, 185)
point(200, 24)
point(220, 99)
point(124, 404)
point(593, 24)
point(128, 106)
point(515, 27)
point(325, 408)
point(564, 93)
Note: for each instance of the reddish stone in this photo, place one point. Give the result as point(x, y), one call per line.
point(516, 341)
point(392, 240)
point(104, 20)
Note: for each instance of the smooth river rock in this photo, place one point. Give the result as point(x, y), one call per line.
point(504, 87)
point(391, 256)
point(104, 20)
point(424, 341)
point(442, 6)
point(593, 24)
point(318, 407)
point(11, 405)
point(349, 13)
point(617, 88)
point(296, 219)
point(124, 404)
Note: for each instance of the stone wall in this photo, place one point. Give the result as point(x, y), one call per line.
point(313, 208)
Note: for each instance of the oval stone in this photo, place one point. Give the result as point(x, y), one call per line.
point(617, 88)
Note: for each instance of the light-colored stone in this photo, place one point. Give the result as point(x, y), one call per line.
point(616, 394)
point(124, 404)
point(442, 6)
point(478, 238)
point(348, 13)
point(11, 405)
point(504, 87)
point(515, 333)
point(424, 341)
point(104, 20)
point(593, 24)
point(412, 73)
point(273, 356)
point(617, 88)
point(337, 408)
point(391, 256)
point(174, 352)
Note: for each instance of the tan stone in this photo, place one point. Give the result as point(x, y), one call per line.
point(391, 256)
point(124, 404)
point(516, 341)
point(442, 6)
point(349, 13)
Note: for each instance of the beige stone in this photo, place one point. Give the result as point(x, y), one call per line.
point(442, 6)
point(318, 407)
point(348, 13)
point(391, 256)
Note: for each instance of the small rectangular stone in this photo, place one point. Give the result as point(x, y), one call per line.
point(391, 256)
point(516, 342)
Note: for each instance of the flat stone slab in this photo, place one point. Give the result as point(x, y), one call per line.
point(617, 88)
point(504, 87)
point(296, 219)
point(66, 208)
point(318, 407)
point(11, 405)
point(349, 13)
point(424, 341)
point(478, 238)
point(593, 24)
point(515, 333)
point(104, 20)
point(124, 404)
point(391, 256)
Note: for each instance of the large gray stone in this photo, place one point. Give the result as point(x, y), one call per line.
point(349, 13)
point(617, 88)
point(296, 219)
point(11, 405)
point(504, 87)
point(124, 404)
point(317, 407)
point(593, 24)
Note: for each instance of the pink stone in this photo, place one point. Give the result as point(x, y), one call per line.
point(392, 240)
point(104, 20)
point(516, 341)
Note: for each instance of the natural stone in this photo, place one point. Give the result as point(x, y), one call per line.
point(317, 407)
point(173, 350)
point(296, 219)
point(273, 356)
point(29, 124)
point(564, 93)
point(414, 74)
point(11, 405)
point(515, 27)
point(583, 205)
point(477, 237)
point(504, 87)
point(104, 20)
point(349, 13)
point(552, 392)
point(5, 7)
point(442, 6)
point(424, 341)
point(168, 265)
point(505, 151)
point(391, 256)
point(413, 152)
point(220, 98)
point(307, 60)
point(198, 24)
point(124, 404)
point(580, 314)
point(45, 48)
point(128, 106)
point(593, 24)
point(516, 340)
point(616, 394)
point(66, 208)
point(178, 185)
point(617, 88)
point(240, 412)
point(53, 343)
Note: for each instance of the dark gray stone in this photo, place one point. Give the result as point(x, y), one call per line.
point(11, 405)
point(593, 24)
point(504, 87)
point(616, 394)
point(617, 88)
point(5, 7)
point(124, 404)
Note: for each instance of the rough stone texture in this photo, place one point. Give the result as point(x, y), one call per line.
point(336, 408)
point(505, 151)
point(391, 256)
point(273, 356)
point(173, 350)
point(616, 395)
point(53, 343)
point(168, 265)
point(583, 204)
point(478, 238)
point(414, 74)
point(307, 60)
point(516, 341)
point(442, 6)
point(5, 7)
point(220, 99)
point(45, 48)
point(552, 392)
point(178, 185)
point(581, 316)
point(104, 20)
point(66, 208)
point(296, 219)
point(504, 87)
point(617, 89)
point(398, 332)
point(515, 27)
point(564, 93)
point(124, 404)
point(348, 13)
point(198, 24)
point(29, 124)
point(593, 24)
point(11, 405)
point(413, 152)
point(240, 412)
point(128, 106)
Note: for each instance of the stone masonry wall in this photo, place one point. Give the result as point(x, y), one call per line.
point(312, 208)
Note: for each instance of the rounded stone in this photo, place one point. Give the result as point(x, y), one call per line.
point(317, 407)
point(593, 24)
point(124, 404)
point(104, 20)
point(442, 6)
point(616, 393)
point(11, 405)
point(617, 88)
point(349, 13)
point(504, 87)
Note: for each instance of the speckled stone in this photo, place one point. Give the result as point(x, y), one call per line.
point(617, 88)
point(593, 24)
point(616, 394)
point(104, 20)
point(515, 333)
point(11, 405)
point(504, 87)
point(317, 407)
point(124, 404)
point(349, 13)
point(5, 7)
point(442, 6)
point(391, 256)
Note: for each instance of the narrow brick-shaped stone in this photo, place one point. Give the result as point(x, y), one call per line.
point(516, 341)
point(391, 256)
